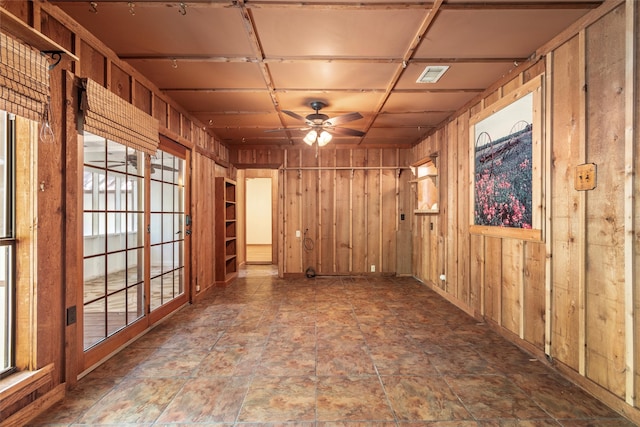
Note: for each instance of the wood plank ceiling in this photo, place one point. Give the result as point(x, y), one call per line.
point(237, 65)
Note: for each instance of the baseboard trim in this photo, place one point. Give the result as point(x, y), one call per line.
point(36, 408)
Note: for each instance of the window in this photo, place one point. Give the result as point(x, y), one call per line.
point(114, 238)
point(7, 244)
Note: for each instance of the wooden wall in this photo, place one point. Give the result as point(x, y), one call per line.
point(572, 297)
point(347, 205)
point(203, 222)
point(55, 263)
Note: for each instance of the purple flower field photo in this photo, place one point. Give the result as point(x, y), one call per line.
point(503, 150)
point(503, 181)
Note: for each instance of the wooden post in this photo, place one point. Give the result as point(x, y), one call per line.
point(582, 213)
point(73, 245)
point(281, 213)
point(351, 213)
point(629, 200)
point(522, 318)
point(319, 242)
point(547, 145)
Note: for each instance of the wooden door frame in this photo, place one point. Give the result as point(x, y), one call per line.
point(274, 175)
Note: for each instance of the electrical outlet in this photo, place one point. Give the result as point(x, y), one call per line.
point(298, 233)
point(373, 268)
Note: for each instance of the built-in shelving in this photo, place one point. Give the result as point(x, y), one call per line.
point(427, 188)
point(226, 233)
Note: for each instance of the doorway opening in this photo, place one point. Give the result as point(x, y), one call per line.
point(259, 220)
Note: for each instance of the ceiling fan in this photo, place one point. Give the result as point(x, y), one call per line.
point(321, 127)
point(132, 160)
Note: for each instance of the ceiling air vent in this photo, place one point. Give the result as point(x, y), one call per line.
point(432, 73)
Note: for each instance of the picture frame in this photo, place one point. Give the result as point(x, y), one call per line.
point(506, 163)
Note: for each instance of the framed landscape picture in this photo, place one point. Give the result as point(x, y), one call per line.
point(506, 164)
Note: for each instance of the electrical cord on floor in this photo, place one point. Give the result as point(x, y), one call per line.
point(307, 242)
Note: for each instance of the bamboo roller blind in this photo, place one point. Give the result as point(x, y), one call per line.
point(109, 116)
point(24, 79)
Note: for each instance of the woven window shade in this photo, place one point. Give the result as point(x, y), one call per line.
point(109, 116)
point(24, 79)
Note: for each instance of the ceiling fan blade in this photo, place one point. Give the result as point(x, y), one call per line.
point(163, 167)
point(108, 162)
point(285, 129)
point(346, 132)
point(345, 118)
point(294, 115)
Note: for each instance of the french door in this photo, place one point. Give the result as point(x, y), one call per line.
point(134, 242)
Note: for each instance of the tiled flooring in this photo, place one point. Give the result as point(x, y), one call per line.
point(325, 352)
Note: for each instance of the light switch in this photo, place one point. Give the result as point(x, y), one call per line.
point(585, 177)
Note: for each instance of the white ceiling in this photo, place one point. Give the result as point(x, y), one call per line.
point(236, 65)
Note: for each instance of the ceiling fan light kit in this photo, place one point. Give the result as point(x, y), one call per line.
point(322, 139)
point(321, 127)
point(311, 137)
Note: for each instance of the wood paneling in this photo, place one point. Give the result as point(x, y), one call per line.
point(576, 283)
point(604, 268)
point(120, 83)
point(92, 64)
point(327, 213)
point(565, 202)
point(533, 304)
point(345, 205)
point(160, 111)
point(73, 202)
point(203, 225)
point(142, 97)
point(633, 133)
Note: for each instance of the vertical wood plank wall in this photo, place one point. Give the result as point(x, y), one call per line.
point(503, 279)
point(346, 205)
point(633, 15)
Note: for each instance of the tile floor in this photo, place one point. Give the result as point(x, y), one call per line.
point(325, 352)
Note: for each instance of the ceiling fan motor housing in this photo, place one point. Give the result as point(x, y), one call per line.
point(317, 118)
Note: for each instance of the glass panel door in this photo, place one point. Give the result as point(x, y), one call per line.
point(7, 244)
point(114, 238)
point(167, 215)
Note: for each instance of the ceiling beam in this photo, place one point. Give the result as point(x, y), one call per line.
point(415, 42)
point(361, 5)
point(311, 90)
point(496, 5)
point(312, 60)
